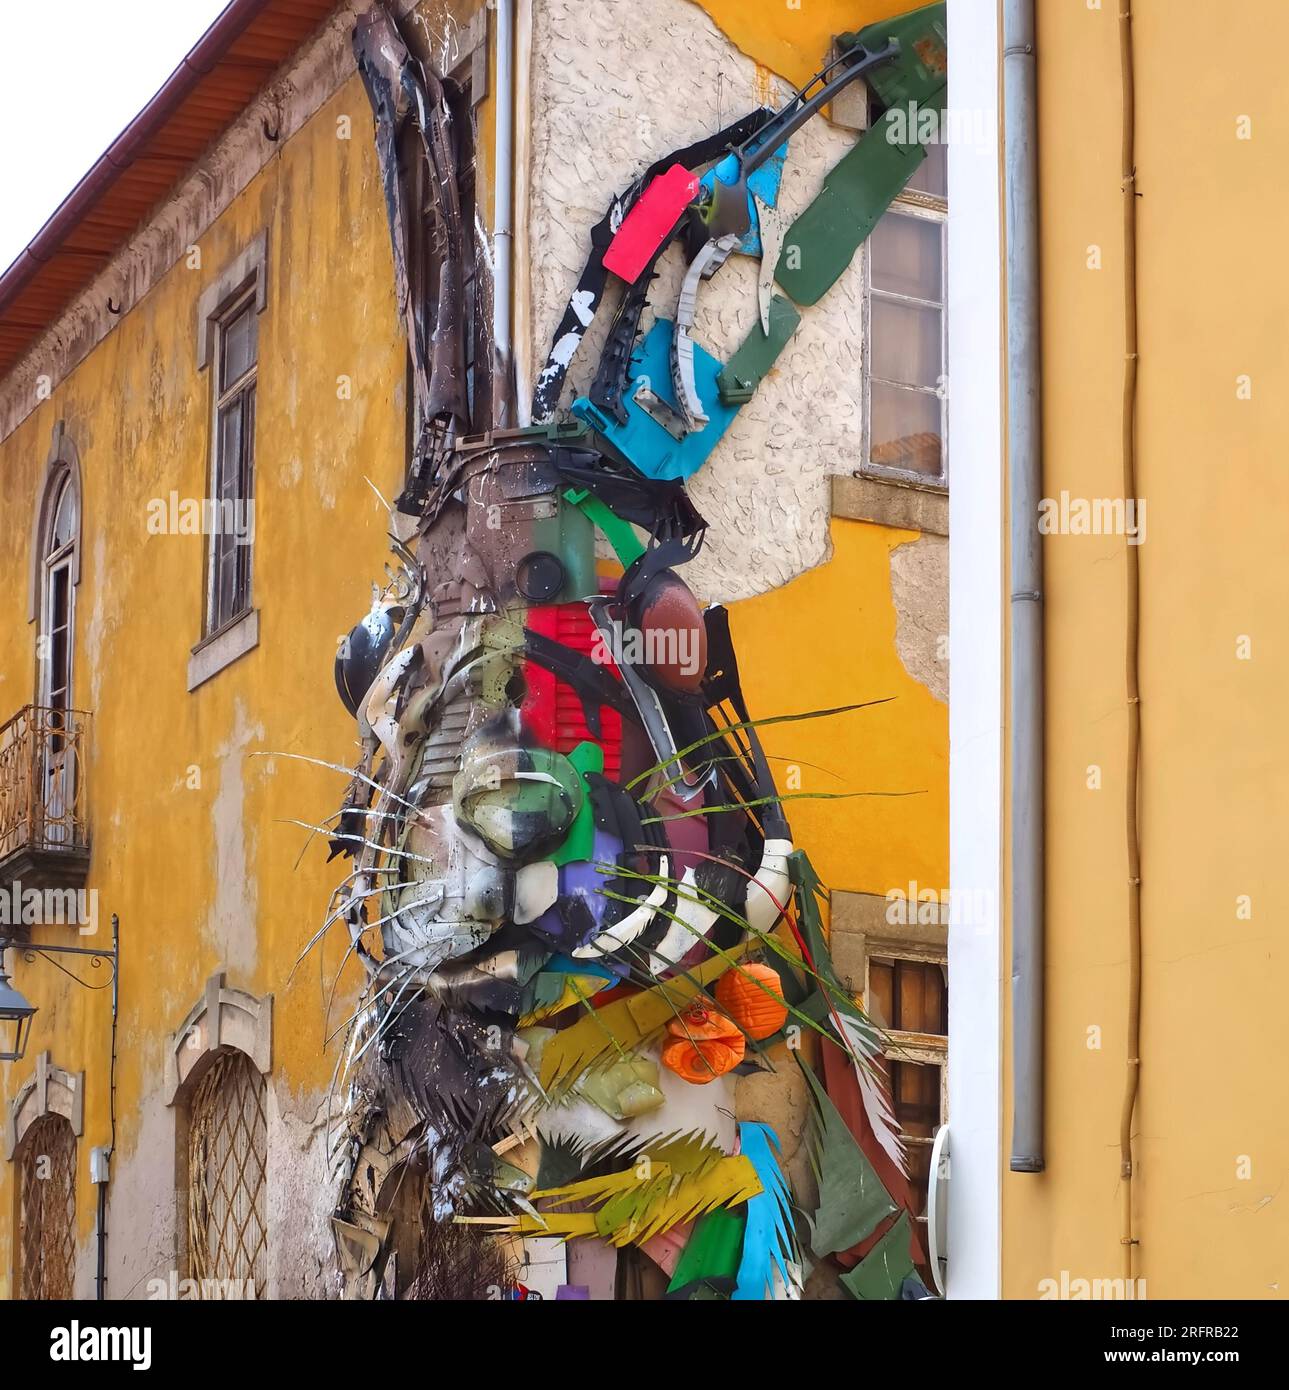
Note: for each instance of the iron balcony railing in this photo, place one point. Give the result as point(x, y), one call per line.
point(43, 759)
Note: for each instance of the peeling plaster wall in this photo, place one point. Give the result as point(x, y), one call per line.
point(920, 588)
point(614, 87)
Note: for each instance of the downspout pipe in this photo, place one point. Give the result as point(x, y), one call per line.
point(100, 1276)
point(521, 269)
point(1025, 483)
point(503, 228)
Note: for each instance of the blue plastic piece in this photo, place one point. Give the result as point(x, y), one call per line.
point(767, 1237)
point(647, 445)
point(566, 965)
point(764, 183)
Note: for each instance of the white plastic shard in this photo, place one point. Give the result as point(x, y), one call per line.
point(769, 890)
point(623, 933)
point(773, 226)
point(694, 919)
point(701, 267)
point(536, 889)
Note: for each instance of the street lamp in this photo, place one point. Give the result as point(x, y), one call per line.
point(15, 1017)
point(16, 1010)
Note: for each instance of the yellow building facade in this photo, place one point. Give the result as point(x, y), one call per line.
point(1209, 1152)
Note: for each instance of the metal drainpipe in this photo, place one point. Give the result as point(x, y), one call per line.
point(1026, 583)
point(100, 1278)
point(503, 238)
point(522, 326)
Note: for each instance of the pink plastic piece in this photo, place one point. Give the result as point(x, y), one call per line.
point(647, 224)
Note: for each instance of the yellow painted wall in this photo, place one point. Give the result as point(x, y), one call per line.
point(204, 878)
point(792, 37)
point(1213, 218)
point(828, 639)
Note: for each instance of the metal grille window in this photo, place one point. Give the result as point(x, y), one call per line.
point(47, 1210)
point(227, 1159)
point(233, 464)
point(905, 347)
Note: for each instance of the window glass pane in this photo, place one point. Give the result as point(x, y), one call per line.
point(224, 588)
point(59, 653)
point(907, 343)
point(248, 441)
point(237, 346)
point(229, 442)
point(904, 429)
point(906, 256)
point(933, 173)
point(64, 528)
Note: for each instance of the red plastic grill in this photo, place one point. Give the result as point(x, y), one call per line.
point(552, 709)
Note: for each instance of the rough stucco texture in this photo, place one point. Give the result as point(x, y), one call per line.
point(615, 87)
point(920, 588)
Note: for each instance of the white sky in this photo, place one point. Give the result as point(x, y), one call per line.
point(73, 74)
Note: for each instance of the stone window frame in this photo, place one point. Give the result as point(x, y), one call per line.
point(224, 1018)
point(50, 1090)
point(246, 274)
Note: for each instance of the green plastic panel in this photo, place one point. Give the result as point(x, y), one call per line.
point(822, 242)
point(743, 373)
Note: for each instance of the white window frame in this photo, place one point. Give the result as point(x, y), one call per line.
point(933, 208)
point(244, 279)
point(249, 379)
point(50, 564)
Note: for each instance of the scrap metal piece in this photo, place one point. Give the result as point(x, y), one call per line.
point(658, 409)
point(824, 239)
point(703, 266)
point(762, 190)
point(652, 715)
point(586, 297)
point(401, 90)
point(644, 442)
point(728, 208)
point(614, 372)
point(773, 226)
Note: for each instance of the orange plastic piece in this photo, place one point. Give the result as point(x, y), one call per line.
point(755, 1012)
point(703, 1045)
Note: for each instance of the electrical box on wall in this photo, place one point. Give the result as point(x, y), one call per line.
point(99, 1164)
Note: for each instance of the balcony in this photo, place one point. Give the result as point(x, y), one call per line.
point(44, 830)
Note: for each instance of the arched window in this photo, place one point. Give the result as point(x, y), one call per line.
point(55, 573)
point(46, 1251)
point(227, 1162)
point(56, 588)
